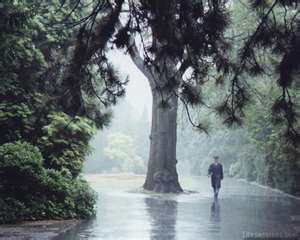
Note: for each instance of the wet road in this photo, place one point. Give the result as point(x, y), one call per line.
point(243, 211)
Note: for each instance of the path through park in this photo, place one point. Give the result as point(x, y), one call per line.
point(243, 211)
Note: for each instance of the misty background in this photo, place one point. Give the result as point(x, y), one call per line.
point(123, 146)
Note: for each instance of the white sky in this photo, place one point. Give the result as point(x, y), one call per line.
point(138, 92)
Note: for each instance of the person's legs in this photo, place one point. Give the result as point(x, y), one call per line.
point(215, 191)
point(215, 194)
point(217, 186)
point(213, 184)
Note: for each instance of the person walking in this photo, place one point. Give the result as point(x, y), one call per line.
point(215, 171)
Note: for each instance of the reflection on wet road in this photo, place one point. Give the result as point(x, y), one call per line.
point(243, 211)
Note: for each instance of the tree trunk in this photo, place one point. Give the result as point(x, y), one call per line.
point(162, 174)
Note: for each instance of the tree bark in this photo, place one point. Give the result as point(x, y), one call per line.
point(162, 174)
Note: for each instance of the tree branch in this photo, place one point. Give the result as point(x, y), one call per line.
point(139, 62)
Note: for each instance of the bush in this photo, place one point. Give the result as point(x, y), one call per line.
point(20, 167)
point(64, 143)
point(11, 210)
point(28, 191)
point(13, 118)
point(67, 197)
point(234, 169)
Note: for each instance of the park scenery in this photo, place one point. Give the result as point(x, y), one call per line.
point(149, 119)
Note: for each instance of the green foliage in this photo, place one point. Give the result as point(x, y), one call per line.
point(28, 191)
point(64, 142)
point(11, 210)
point(235, 169)
point(257, 152)
point(41, 148)
point(279, 168)
point(271, 49)
point(124, 123)
point(124, 155)
point(13, 119)
point(20, 163)
point(66, 197)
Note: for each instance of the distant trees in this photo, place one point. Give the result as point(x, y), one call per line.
point(124, 156)
point(263, 149)
point(271, 49)
point(127, 138)
point(256, 151)
point(270, 59)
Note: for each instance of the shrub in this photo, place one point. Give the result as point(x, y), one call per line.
point(64, 143)
point(28, 191)
point(20, 167)
point(234, 169)
point(11, 210)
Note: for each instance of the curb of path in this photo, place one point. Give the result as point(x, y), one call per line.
point(269, 188)
point(37, 230)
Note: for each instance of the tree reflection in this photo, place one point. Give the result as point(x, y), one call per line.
point(163, 214)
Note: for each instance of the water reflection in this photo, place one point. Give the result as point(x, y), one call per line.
point(163, 215)
point(214, 228)
point(243, 208)
point(215, 210)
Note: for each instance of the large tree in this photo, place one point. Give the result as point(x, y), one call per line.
point(179, 45)
point(180, 42)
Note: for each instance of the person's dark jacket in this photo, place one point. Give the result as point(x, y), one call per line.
point(216, 172)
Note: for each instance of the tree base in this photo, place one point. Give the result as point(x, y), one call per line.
point(164, 182)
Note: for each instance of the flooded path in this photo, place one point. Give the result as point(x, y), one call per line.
point(243, 211)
